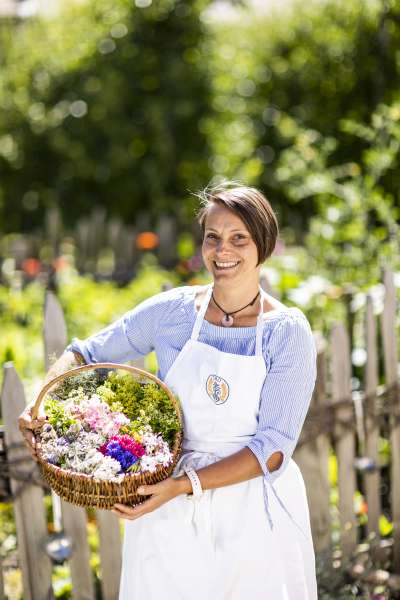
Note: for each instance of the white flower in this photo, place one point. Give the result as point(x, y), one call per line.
point(148, 463)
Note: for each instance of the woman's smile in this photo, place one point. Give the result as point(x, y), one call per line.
point(226, 265)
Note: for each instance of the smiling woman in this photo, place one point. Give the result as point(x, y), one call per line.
point(232, 522)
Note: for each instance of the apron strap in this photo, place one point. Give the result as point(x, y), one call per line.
point(260, 325)
point(201, 313)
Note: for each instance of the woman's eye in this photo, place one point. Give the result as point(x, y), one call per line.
point(237, 238)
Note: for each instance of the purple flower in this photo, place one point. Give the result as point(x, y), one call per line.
point(125, 458)
point(52, 459)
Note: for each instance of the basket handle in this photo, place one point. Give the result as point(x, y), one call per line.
point(92, 366)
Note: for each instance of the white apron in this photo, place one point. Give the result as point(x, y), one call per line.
point(221, 547)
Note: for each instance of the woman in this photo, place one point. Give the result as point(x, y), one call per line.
point(233, 521)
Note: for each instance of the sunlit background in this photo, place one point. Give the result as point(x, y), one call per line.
point(114, 113)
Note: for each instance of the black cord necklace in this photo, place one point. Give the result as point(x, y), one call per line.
point(227, 319)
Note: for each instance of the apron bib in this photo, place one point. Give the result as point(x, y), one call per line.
point(220, 547)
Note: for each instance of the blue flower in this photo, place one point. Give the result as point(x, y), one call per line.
point(125, 458)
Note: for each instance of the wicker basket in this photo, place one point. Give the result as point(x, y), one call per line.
point(84, 490)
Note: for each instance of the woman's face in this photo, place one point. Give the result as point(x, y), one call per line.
point(229, 252)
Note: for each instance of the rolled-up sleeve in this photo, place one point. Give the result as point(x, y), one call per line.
point(286, 393)
point(129, 337)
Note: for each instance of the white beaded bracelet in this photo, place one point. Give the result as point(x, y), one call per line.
point(195, 481)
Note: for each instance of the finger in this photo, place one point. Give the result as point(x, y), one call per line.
point(132, 512)
point(124, 508)
point(29, 437)
point(145, 507)
point(147, 490)
point(25, 423)
point(119, 514)
point(125, 513)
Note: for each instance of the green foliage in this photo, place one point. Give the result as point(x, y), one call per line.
point(127, 392)
point(89, 306)
point(21, 314)
point(145, 403)
point(355, 231)
point(311, 63)
point(21, 323)
point(150, 102)
point(385, 526)
point(109, 397)
point(57, 416)
point(88, 381)
point(108, 96)
point(62, 584)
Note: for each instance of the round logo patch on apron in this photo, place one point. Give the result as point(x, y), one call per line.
point(217, 389)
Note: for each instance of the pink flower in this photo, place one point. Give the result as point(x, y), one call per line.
point(127, 443)
point(99, 418)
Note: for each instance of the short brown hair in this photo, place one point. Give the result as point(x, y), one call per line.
point(251, 206)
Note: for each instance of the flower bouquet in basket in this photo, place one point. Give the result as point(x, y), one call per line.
point(109, 429)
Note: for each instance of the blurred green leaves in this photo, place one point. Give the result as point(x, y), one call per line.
point(301, 71)
point(355, 230)
point(101, 106)
point(131, 105)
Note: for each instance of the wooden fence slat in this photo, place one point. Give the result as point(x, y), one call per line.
point(167, 238)
point(313, 460)
point(54, 329)
point(128, 251)
point(389, 339)
point(345, 442)
point(372, 479)
point(74, 517)
point(110, 553)
point(29, 508)
point(82, 244)
point(75, 520)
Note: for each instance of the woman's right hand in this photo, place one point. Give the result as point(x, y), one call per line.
point(27, 426)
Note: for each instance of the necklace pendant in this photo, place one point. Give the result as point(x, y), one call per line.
point(227, 321)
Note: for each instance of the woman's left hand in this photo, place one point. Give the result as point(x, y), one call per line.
point(160, 494)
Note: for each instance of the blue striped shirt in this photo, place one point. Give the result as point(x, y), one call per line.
point(164, 323)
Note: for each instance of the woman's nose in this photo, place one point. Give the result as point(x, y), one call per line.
point(222, 245)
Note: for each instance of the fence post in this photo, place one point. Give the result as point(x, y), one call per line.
point(389, 339)
point(344, 437)
point(313, 458)
point(74, 517)
point(29, 508)
point(372, 479)
point(110, 553)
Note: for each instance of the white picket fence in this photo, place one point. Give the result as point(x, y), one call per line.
point(341, 419)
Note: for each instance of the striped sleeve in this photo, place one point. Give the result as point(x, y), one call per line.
point(286, 393)
point(129, 337)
